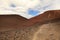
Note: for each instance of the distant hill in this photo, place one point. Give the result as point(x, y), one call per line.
point(14, 27)
point(9, 22)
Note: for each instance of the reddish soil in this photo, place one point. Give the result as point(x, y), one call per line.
point(9, 22)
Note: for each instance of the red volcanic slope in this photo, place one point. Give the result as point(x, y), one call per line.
point(17, 22)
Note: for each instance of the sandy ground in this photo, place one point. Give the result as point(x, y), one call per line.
point(49, 31)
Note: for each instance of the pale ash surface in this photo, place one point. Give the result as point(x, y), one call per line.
point(50, 31)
